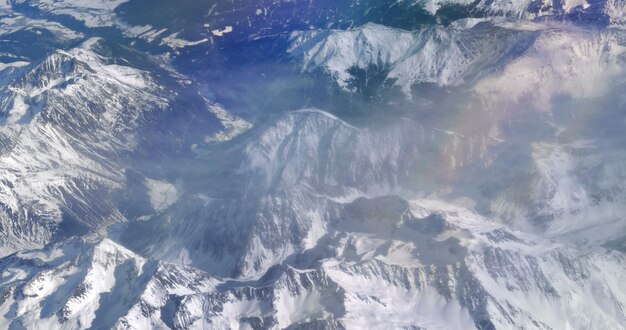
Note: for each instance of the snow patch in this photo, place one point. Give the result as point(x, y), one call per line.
point(162, 194)
point(222, 32)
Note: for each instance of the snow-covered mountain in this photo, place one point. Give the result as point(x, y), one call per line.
point(422, 263)
point(329, 212)
point(94, 282)
point(445, 56)
point(312, 165)
point(71, 125)
point(96, 13)
point(291, 177)
point(541, 57)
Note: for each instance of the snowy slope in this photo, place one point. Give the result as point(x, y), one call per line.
point(490, 195)
point(99, 13)
point(92, 283)
point(438, 55)
point(329, 226)
point(536, 59)
point(580, 64)
point(294, 173)
point(422, 263)
point(71, 125)
point(48, 161)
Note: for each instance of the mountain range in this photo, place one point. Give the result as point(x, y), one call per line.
point(312, 164)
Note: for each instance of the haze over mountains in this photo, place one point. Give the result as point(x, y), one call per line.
point(312, 164)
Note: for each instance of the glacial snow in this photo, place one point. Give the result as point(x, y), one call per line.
point(162, 194)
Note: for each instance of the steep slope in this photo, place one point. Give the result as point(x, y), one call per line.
point(429, 265)
point(444, 56)
point(568, 63)
point(71, 124)
point(92, 282)
point(540, 58)
point(299, 171)
point(294, 174)
point(490, 195)
point(384, 262)
point(46, 112)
